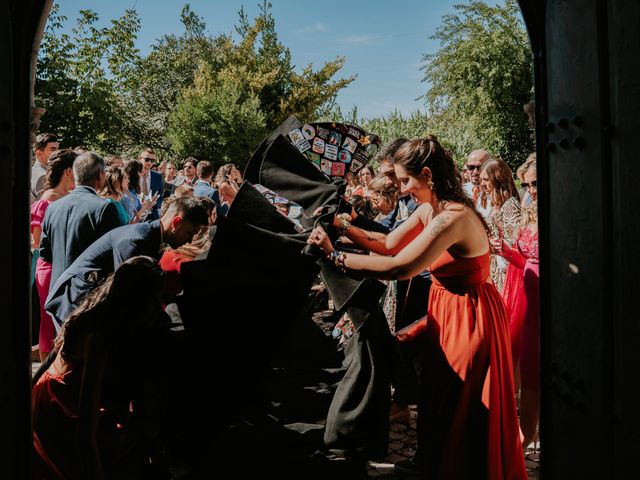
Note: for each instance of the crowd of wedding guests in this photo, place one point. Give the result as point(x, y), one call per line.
point(457, 248)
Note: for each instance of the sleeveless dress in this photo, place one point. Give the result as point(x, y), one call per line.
point(467, 422)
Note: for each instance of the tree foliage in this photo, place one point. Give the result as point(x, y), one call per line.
point(215, 119)
point(80, 78)
point(480, 79)
point(193, 94)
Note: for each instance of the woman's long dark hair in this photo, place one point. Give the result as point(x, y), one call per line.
point(59, 162)
point(416, 154)
point(120, 299)
point(133, 168)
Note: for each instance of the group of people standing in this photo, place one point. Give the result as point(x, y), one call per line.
point(464, 244)
point(457, 248)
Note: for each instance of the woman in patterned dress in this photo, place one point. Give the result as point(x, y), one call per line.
point(521, 297)
point(497, 182)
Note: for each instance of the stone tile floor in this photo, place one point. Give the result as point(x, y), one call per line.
point(402, 444)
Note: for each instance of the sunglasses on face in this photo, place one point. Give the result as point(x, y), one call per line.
point(471, 168)
point(533, 183)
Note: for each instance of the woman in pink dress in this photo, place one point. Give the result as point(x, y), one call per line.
point(521, 294)
point(467, 423)
point(58, 183)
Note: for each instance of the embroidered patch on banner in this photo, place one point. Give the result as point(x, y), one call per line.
point(318, 145)
point(344, 156)
point(335, 138)
point(356, 165)
point(303, 146)
point(308, 131)
point(350, 144)
point(337, 169)
point(331, 152)
point(296, 136)
point(314, 157)
point(326, 166)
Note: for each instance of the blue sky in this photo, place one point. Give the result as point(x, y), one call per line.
point(383, 40)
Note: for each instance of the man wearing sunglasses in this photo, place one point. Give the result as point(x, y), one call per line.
point(475, 161)
point(151, 183)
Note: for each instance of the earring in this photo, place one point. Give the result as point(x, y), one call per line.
point(430, 184)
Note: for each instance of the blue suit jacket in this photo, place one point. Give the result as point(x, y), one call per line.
point(203, 188)
point(73, 223)
point(157, 186)
point(102, 258)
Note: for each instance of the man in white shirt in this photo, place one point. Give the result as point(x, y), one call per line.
point(475, 161)
point(46, 144)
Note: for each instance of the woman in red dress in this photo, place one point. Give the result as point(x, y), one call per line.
point(521, 294)
point(467, 423)
point(86, 419)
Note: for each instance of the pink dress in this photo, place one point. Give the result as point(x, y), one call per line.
point(43, 280)
point(521, 297)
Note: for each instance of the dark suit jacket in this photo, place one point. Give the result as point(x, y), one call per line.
point(157, 186)
point(102, 258)
point(73, 223)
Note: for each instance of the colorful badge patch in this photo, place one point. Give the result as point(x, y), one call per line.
point(354, 133)
point(326, 166)
point(344, 156)
point(296, 136)
point(318, 145)
point(322, 132)
point(350, 144)
point(303, 146)
point(331, 152)
point(308, 131)
point(314, 157)
point(356, 165)
point(335, 138)
point(337, 169)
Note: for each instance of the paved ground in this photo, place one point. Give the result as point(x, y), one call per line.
point(402, 443)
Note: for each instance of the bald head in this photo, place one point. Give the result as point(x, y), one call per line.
point(474, 163)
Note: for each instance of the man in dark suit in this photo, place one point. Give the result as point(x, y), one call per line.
point(183, 219)
point(74, 222)
point(151, 182)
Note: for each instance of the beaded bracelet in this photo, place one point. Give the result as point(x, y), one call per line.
point(338, 259)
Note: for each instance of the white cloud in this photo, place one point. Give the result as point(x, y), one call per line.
point(316, 27)
point(358, 39)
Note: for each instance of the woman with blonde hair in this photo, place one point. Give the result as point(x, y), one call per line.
point(521, 297)
point(228, 180)
point(497, 183)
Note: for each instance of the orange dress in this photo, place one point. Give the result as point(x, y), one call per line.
point(467, 422)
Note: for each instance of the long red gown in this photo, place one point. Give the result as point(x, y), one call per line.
point(467, 422)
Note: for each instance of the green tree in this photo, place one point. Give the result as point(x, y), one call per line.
point(259, 67)
point(480, 79)
point(80, 78)
point(214, 119)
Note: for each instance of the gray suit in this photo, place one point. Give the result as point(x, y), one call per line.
point(73, 223)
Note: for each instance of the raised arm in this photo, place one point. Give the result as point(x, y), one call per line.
point(443, 231)
point(393, 242)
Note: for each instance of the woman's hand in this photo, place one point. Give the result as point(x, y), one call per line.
point(319, 238)
point(496, 246)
